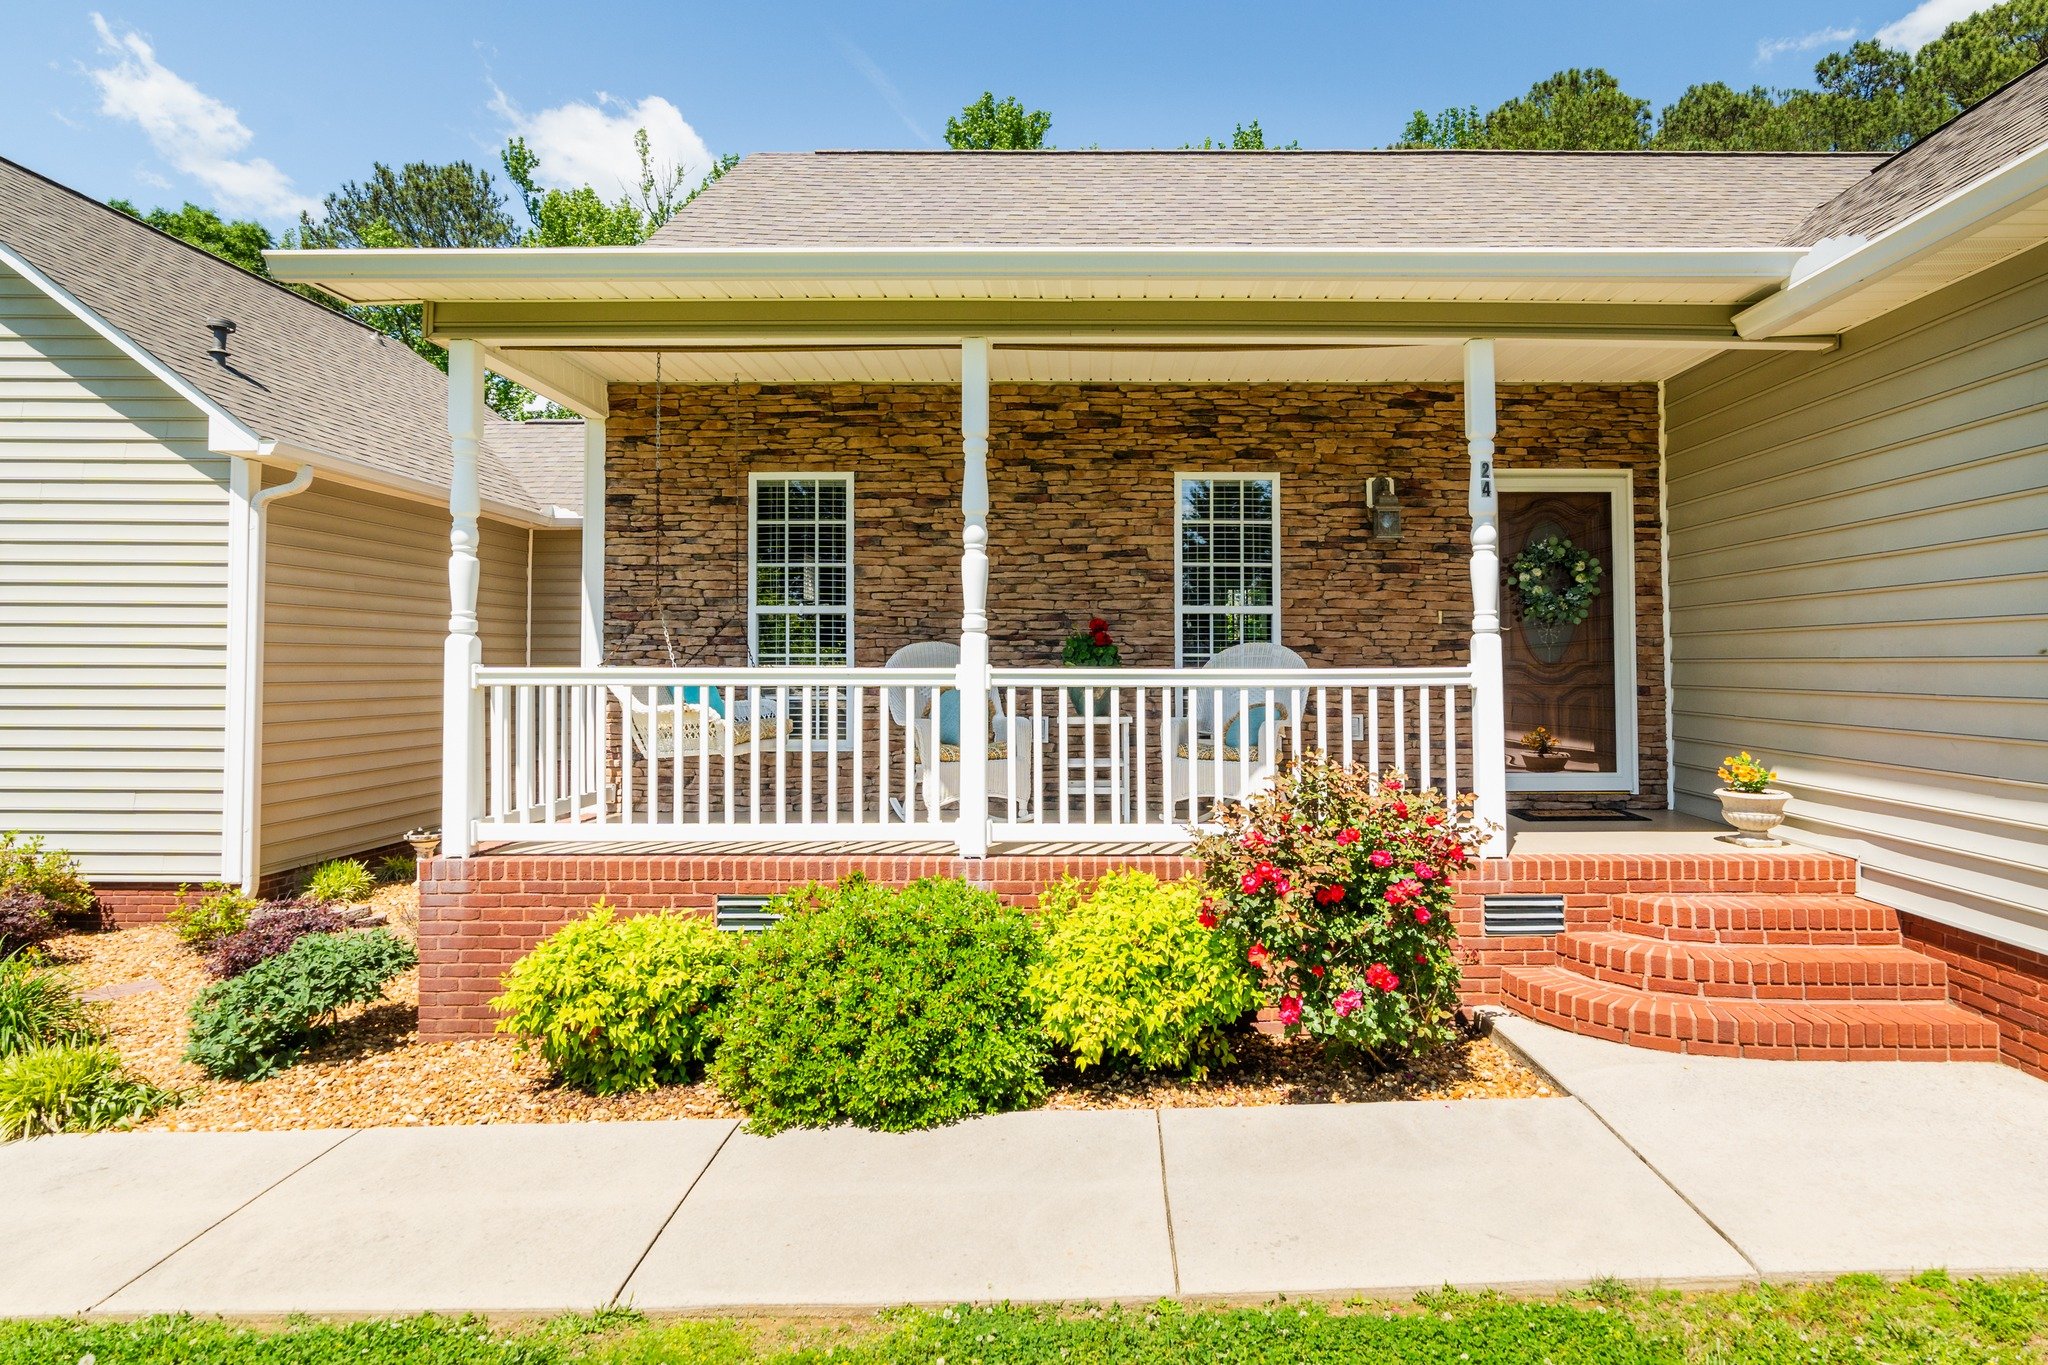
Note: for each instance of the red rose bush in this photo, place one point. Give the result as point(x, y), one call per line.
point(1336, 883)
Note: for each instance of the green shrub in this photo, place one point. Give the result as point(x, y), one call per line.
point(344, 879)
point(253, 1025)
point(890, 1009)
point(53, 875)
point(71, 1088)
point(221, 911)
point(38, 1008)
point(397, 868)
point(617, 1004)
point(1129, 974)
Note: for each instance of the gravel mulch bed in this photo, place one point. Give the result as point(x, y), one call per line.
point(372, 1070)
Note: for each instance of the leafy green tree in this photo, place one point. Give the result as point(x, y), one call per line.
point(1450, 131)
point(1975, 56)
point(454, 205)
point(1244, 138)
point(583, 217)
point(992, 125)
point(241, 242)
point(1582, 109)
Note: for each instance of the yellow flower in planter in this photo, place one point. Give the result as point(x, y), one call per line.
point(1741, 773)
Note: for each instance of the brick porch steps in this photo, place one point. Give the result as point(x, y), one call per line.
point(1744, 971)
point(1857, 1030)
point(1753, 975)
point(1774, 919)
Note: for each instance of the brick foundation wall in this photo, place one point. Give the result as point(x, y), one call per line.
point(479, 915)
point(126, 905)
point(1081, 521)
point(2007, 983)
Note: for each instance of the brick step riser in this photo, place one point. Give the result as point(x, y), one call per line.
point(1781, 921)
point(1709, 971)
point(1784, 1031)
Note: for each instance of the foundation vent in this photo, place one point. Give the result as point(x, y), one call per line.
point(1522, 916)
point(744, 914)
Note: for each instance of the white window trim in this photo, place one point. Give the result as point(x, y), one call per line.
point(1619, 486)
point(753, 570)
point(1181, 479)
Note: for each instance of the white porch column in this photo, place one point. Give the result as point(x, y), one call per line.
point(593, 542)
point(462, 718)
point(974, 675)
point(1489, 700)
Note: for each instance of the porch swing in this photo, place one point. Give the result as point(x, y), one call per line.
point(699, 719)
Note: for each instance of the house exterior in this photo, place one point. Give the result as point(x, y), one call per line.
point(221, 636)
point(879, 429)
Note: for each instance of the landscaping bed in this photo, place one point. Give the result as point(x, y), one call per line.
point(372, 1069)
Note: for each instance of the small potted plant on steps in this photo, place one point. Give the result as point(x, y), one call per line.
point(1090, 647)
point(1749, 801)
point(1544, 756)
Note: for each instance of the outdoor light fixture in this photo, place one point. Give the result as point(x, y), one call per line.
point(1385, 508)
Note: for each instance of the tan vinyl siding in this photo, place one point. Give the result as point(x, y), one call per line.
point(1859, 588)
point(113, 603)
point(557, 598)
point(356, 619)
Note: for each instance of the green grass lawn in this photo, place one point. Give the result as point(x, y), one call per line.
point(1930, 1320)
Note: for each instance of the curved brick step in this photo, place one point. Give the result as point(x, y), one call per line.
point(1754, 971)
point(1716, 917)
point(1781, 1030)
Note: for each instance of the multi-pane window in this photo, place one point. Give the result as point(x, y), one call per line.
point(1229, 563)
point(802, 593)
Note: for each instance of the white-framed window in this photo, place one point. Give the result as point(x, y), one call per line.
point(800, 569)
point(1226, 562)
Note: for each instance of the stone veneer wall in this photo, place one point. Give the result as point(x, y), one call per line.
point(1081, 523)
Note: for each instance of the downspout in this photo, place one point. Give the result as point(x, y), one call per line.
point(529, 598)
point(1664, 602)
point(248, 705)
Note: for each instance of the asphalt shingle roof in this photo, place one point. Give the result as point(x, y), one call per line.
point(1969, 146)
point(297, 372)
point(1299, 199)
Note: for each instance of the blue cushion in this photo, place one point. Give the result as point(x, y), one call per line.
point(694, 696)
point(949, 717)
point(1255, 714)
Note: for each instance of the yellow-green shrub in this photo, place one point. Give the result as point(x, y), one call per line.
point(622, 1004)
point(1127, 973)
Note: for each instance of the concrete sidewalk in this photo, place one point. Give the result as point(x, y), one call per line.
point(1660, 1170)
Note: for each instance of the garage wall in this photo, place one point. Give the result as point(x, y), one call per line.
point(1859, 588)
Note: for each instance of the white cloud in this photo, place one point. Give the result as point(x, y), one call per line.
point(1771, 49)
point(884, 87)
point(1926, 22)
point(197, 134)
point(592, 144)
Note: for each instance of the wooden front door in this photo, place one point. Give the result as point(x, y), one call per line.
point(1572, 697)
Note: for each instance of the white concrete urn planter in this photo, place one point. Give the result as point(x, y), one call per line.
point(1754, 815)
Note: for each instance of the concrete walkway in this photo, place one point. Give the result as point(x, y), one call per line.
point(1661, 1170)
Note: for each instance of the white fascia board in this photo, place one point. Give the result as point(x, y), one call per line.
point(433, 273)
point(1974, 206)
point(225, 433)
point(356, 475)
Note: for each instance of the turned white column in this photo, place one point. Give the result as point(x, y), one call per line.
point(462, 717)
point(974, 676)
point(1489, 698)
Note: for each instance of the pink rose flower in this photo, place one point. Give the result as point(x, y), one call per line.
point(1249, 882)
point(1207, 919)
point(1290, 1010)
point(1381, 859)
point(1423, 871)
point(1329, 895)
point(1422, 914)
point(1348, 1001)
point(1347, 836)
point(1381, 977)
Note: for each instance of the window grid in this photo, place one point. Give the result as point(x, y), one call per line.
point(1228, 529)
point(801, 588)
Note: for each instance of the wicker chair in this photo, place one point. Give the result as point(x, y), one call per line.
point(1010, 741)
point(1223, 752)
point(703, 727)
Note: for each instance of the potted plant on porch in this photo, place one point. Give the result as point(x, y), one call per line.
point(1090, 647)
point(1749, 802)
point(1544, 755)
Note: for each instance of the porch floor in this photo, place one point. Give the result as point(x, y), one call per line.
point(1660, 832)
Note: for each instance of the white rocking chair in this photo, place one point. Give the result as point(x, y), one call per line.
point(1010, 741)
point(1227, 752)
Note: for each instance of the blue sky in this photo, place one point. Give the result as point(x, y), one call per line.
point(259, 109)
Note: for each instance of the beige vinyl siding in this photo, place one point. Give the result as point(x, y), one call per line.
point(113, 603)
point(557, 598)
point(356, 617)
point(1859, 589)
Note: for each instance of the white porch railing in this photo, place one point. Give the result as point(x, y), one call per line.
point(832, 755)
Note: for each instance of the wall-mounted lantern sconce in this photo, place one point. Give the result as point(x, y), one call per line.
point(1385, 508)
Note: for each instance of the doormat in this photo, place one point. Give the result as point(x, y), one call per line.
point(1614, 814)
